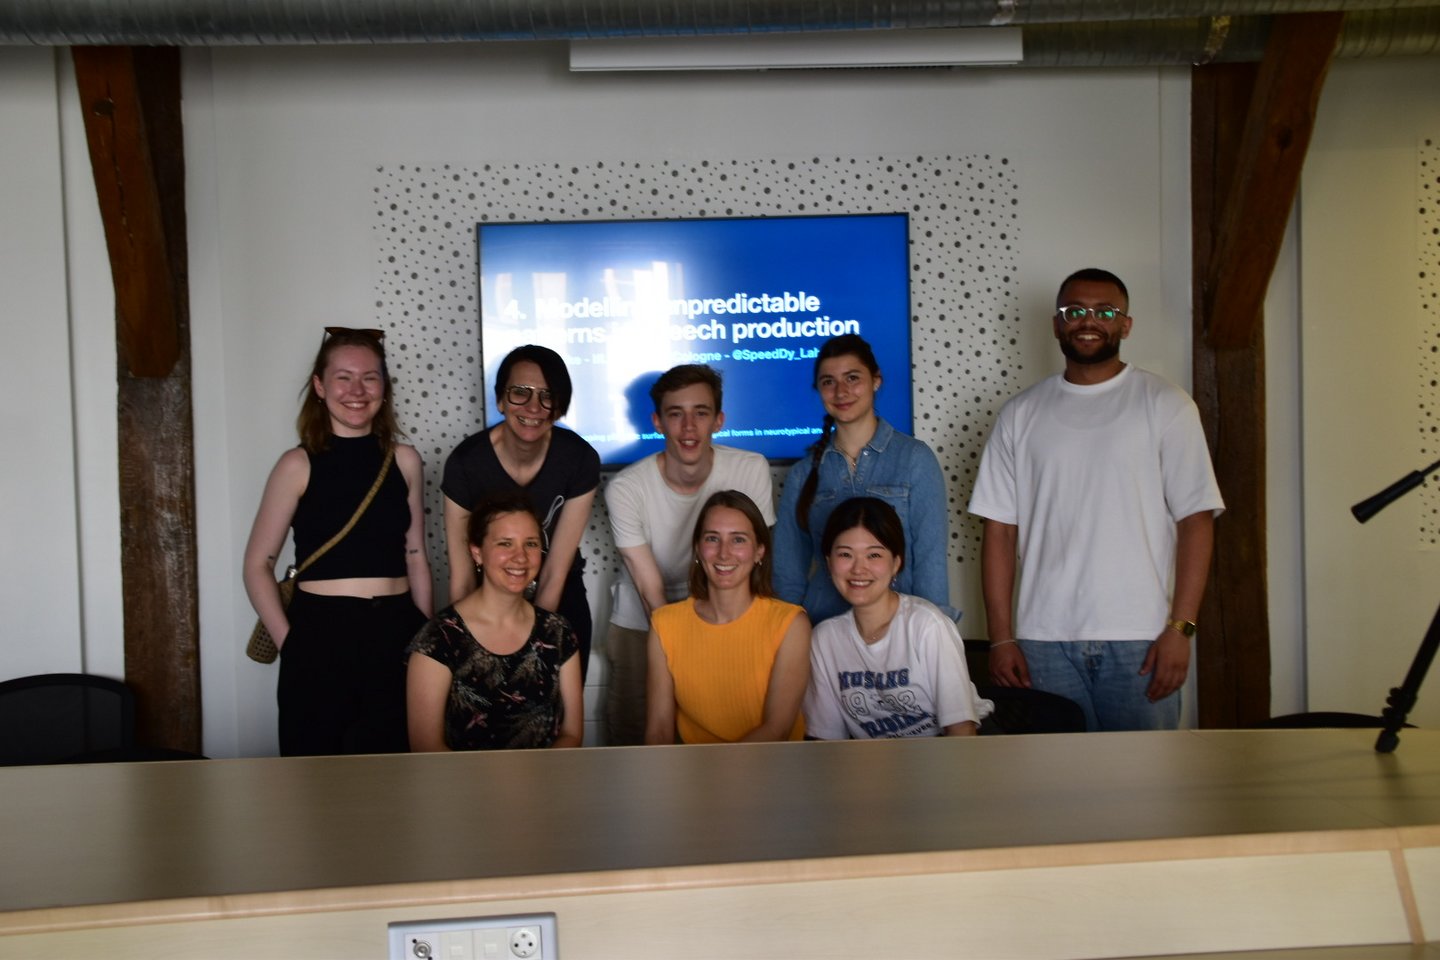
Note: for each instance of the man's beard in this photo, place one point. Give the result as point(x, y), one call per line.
point(1109, 350)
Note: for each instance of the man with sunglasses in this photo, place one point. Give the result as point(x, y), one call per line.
point(1096, 487)
point(654, 504)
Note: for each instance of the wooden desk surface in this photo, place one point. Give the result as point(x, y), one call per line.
point(77, 837)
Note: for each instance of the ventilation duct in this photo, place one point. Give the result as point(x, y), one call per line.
point(1056, 32)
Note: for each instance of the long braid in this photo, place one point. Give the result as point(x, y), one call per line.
point(845, 345)
point(812, 482)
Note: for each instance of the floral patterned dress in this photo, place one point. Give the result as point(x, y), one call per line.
point(500, 702)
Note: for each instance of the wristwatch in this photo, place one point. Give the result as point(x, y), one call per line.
point(1185, 627)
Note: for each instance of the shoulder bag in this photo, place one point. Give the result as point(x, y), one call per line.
point(261, 647)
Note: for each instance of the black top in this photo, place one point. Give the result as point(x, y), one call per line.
point(496, 701)
point(339, 479)
point(571, 469)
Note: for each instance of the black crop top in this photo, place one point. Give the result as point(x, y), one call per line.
point(339, 479)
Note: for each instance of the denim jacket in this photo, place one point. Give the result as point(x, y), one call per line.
point(894, 467)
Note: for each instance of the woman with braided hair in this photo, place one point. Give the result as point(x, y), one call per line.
point(859, 454)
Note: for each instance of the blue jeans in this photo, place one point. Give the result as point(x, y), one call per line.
point(1103, 677)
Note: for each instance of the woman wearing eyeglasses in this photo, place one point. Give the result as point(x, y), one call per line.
point(556, 468)
point(359, 602)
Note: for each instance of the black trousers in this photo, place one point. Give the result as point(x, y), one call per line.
point(342, 674)
point(575, 607)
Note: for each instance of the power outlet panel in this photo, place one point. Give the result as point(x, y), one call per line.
point(521, 937)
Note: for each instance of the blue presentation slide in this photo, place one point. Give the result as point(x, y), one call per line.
point(622, 301)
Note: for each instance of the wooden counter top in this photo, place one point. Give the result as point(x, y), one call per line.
point(228, 838)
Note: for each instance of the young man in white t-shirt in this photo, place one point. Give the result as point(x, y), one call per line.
point(1097, 490)
point(654, 504)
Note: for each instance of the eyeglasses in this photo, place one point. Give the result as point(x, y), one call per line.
point(1074, 313)
point(519, 394)
point(372, 333)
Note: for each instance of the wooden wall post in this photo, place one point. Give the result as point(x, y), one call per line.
point(130, 98)
point(1250, 128)
point(1233, 650)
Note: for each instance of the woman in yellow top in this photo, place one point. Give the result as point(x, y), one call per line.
point(731, 663)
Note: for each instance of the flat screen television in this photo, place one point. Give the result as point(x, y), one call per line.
point(623, 301)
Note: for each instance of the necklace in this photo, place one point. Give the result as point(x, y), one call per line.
point(846, 436)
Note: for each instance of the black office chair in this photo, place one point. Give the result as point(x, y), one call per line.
point(63, 717)
point(1022, 710)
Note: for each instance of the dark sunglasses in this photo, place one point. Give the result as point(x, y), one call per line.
point(372, 333)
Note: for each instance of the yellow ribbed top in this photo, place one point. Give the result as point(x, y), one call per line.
point(722, 671)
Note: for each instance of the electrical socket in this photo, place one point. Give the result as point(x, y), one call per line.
point(524, 942)
point(520, 937)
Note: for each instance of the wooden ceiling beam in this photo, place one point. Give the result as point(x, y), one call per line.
point(116, 131)
point(1266, 174)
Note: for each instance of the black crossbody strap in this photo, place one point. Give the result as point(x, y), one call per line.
point(350, 525)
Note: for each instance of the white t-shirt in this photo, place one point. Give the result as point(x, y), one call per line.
point(645, 511)
point(912, 682)
point(1096, 477)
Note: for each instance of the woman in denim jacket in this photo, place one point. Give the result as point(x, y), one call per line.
point(859, 454)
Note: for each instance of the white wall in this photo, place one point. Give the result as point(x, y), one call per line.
point(39, 581)
point(59, 499)
point(1284, 505)
point(282, 147)
point(1371, 590)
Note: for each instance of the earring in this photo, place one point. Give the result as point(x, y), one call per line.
point(893, 582)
